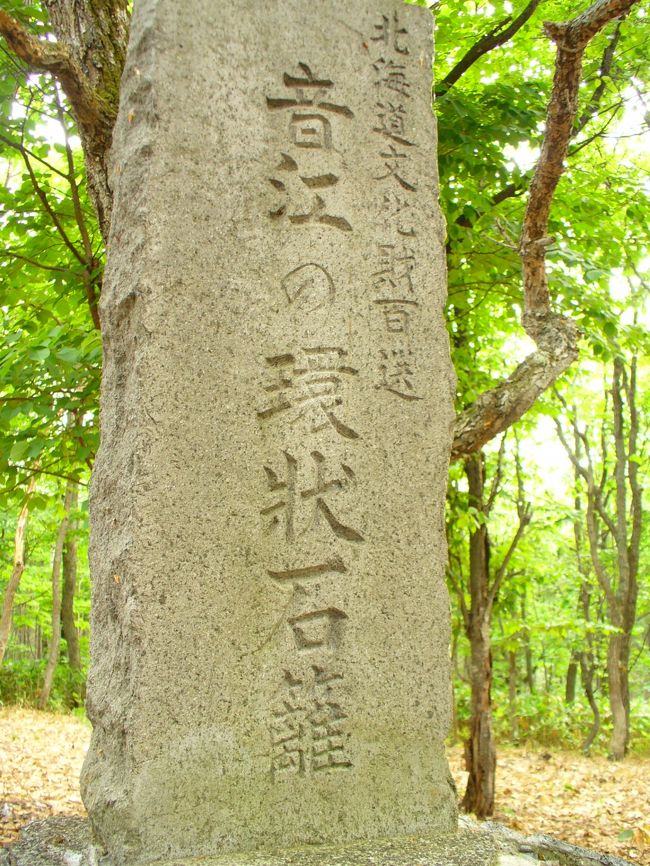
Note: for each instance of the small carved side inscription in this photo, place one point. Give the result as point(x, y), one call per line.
point(395, 274)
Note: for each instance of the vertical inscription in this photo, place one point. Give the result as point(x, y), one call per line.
point(309, 481)
point(308, 169)
point(394, 286)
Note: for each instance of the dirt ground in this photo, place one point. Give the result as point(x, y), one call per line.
point(590, 802)
point(586, 801)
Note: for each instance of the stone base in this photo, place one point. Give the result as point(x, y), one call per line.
point(67, 841)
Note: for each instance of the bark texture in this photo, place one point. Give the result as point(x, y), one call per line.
point(480, 749)
point(483, 584)
point(16, 572)
point(70, 633)
point(87, 60)
point(586, 656)
point(55, 640)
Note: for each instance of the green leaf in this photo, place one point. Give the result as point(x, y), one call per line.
point(610, 329)
point(19, 449)
point(68, 355)
point(39, 354)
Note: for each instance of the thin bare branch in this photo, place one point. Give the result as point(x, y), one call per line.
point(603, 577)
point(604, 73)
point(460, 595)
point(90, 270)
point(496, 478)
point(7, 253)
point(40, 192)
point(21, 147)
point(499, 35)
point(6, 611)
point(636, 503)
point(524, 520)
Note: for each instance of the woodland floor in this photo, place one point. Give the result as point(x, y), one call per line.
point(586, 801)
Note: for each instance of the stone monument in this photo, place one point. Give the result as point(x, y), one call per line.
point(270, 662)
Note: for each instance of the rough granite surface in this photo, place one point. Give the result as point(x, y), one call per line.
point(66, 841)
point(270, 663)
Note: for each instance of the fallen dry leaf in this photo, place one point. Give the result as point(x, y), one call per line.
point(585, 801)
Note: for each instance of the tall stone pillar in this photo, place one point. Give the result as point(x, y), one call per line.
point(270, 659)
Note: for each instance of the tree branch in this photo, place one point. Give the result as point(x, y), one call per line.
point(620, 480)
point(555, 336)
point(594, 491)
point(53, 57)
point(499, 35)
point(497, 477)
point(17, 570)
point(513, 190)
point(21, 147)
point(90, 270)
point(87, 60)
point(40, 192)
point(636, 503)
point(571, 39)
point(11, 254)
point(525, 516)
point(604, 72)
point(458, 589)
point(599, 569)
point(498, 408)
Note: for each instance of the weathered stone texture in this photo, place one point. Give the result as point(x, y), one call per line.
point(66, 841)
point(270, 626)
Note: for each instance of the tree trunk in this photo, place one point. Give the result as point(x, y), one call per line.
point(70, 633)
point(588, 655)
point(571, 679)
point(529, 677)
point(512, 694)
point(480, 751)
point(96, 35)
point(55, 640)
point(16, 572)
point(587, 672)
point(628, 539)
point(617, 676)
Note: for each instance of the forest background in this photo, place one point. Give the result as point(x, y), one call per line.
point(549, 551)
